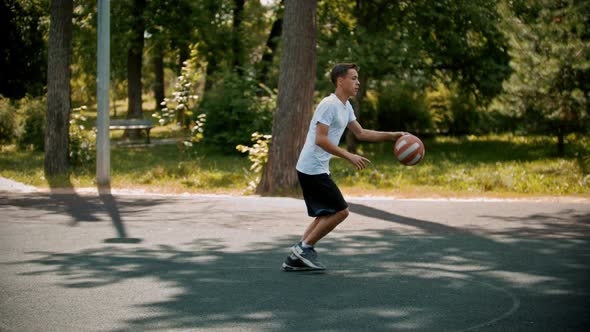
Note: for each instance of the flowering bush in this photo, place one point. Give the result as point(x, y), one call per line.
point(82, 141)
point(258, 155)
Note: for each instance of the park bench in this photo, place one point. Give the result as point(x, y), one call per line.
point(133, 124)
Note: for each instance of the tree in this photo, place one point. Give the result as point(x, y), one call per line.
point(271, 46)
point(415, 44)
point(549, 43)
point(134, 61)
point(237, 49)
point(23, 57)
point(168, 37)
point(58, 88)
point(295, 98)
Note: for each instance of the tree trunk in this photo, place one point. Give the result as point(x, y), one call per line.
point(270, 49)
point(158, 62)
point(211, 69)
point(57, 123)
point(237, 40)
point(295, 98)
point(134, 63)
point(561, 140)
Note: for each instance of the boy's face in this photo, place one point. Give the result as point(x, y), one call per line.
point(350, 83)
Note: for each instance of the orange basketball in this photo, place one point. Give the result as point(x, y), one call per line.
point(409, 150)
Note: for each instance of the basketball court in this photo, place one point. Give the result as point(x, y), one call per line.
point(72, 262)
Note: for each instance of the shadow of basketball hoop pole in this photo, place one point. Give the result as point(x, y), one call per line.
point(110, 205)
point(63, 195)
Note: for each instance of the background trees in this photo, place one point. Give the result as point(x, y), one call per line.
point(550, 56)
point(430, 67)
point(23, 56)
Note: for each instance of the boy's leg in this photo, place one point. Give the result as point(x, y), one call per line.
point(323, 225)
point(311, 227)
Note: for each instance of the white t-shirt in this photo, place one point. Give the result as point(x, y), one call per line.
point(331, 112)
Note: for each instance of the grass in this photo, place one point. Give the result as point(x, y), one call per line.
point(491, 166)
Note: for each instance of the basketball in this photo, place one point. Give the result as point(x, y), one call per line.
point(409, 150)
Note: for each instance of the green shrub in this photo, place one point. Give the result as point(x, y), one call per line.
point(8, 121)
point(234, 111)
point(401, 108)
point(465, 119)
point(82, 143)
point(32, 114)
point(258, 155)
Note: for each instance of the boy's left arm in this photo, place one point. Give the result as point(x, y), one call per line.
point(372, 135)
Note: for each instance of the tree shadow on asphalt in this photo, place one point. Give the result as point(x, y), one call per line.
point(434, 277)
point(85, 208)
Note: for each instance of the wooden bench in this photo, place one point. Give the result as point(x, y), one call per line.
point(133, 124)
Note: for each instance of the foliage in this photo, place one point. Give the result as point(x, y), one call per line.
point(402, 108)
point(32, 113)
point(8, 121)
point(23, 56)
point(549, 45)
point(84, 45)
point(234, 110)
point(82, 144)
point(258, 155)
point(181, 105)
point(413, 42)
point(465, 119)
point(189, 147)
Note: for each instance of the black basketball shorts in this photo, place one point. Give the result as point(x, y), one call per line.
point(322, 196)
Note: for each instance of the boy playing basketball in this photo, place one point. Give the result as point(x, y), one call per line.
point(322, 197)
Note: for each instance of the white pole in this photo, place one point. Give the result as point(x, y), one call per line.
point(103, 151)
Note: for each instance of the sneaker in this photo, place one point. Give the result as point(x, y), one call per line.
point(292, 263)
point(308, 256)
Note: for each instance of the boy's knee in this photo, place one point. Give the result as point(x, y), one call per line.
point(343, 213)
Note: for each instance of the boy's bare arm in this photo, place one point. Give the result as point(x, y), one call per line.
point(372, 135)
point(322, 141)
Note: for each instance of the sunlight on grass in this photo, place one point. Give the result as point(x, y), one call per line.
point(495, 166)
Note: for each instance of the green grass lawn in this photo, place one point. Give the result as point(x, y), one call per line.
point(493, 166)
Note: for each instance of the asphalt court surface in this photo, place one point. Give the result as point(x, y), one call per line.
point(119, 262)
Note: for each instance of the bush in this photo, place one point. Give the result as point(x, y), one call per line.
point(32, 114)
point(234, 111)
point(465, 118)
point(400, 108)
point(82, 143)
point(8, 122)
point(258, 155)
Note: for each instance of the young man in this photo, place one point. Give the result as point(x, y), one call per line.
point(323, 198)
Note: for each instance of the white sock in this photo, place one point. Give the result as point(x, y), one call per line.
point(305, 245)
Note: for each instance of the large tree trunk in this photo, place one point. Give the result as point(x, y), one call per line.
point(272, 43)
point(134, 63)
point(158, 63)
point(295, 99)
point(237, 40)
point(57, 123)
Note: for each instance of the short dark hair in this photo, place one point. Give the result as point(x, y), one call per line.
point(341, 69)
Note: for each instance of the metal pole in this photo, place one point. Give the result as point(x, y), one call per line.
point(103, 149)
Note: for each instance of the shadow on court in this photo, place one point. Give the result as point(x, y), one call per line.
point(531, 277)
point(83, 208)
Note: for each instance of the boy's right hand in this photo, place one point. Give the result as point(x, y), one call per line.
point(359, 162)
